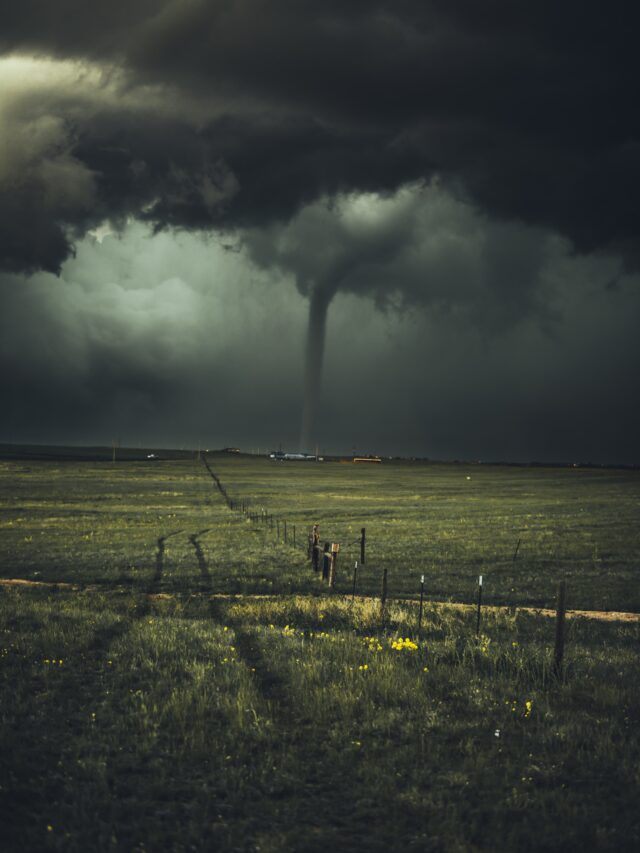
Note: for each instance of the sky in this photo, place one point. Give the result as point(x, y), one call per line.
point(404, 228)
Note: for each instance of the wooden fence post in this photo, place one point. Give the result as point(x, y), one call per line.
point(326, 557)
point(479, 605)
point(314, 546)
point(560, 615)
point(421, 602)
point(335, 550)
point(355, 577)
point(362, 545)
point(383, 598)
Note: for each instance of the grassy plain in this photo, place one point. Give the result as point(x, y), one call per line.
point(197, 689)
point(454, 522)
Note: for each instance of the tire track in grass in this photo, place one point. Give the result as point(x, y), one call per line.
point(269, 683)
point(56, 713)
point(205, 574)
point(301, 759)
point(157, 576)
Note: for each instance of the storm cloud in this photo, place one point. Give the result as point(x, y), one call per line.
point(460, 179)
point(198, 114)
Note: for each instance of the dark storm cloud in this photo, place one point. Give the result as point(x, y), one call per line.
point(444, 159)
point(528, 108)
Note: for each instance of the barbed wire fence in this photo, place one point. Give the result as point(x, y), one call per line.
point(323, 559)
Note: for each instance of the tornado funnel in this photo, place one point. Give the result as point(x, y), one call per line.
point(311, 411)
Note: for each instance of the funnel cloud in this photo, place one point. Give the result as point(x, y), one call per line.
point(314, 352)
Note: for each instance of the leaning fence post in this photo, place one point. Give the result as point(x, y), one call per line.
point(383, 597)
point(560, 615)
point(479, 604)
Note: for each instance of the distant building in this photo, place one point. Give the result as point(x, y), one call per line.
point(374, 459)
point(281, 456)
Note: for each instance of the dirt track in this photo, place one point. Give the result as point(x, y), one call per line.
point(601, 615)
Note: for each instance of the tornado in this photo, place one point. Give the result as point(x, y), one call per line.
point(318, 308)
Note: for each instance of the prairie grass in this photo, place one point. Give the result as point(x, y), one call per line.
point(198, 688)
point(297, 723)
point(523, 529)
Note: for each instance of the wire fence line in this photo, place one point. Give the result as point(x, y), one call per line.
point(323, 559)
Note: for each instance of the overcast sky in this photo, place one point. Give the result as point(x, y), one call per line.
point(457, 182)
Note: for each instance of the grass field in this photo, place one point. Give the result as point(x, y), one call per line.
point(196, 687)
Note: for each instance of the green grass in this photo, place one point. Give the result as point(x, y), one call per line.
point(291, 723)
point(198, 688)
point(134, 524)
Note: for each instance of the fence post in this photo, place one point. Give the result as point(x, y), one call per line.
point(515, 553)
point(421, 601)
point(325, 561)
point(314, 545)
point(355, 577)
point(560, 614)
point(332, 570)
point(362, 545)
point(479, 605)
point(335, 550)
point(383, 597)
